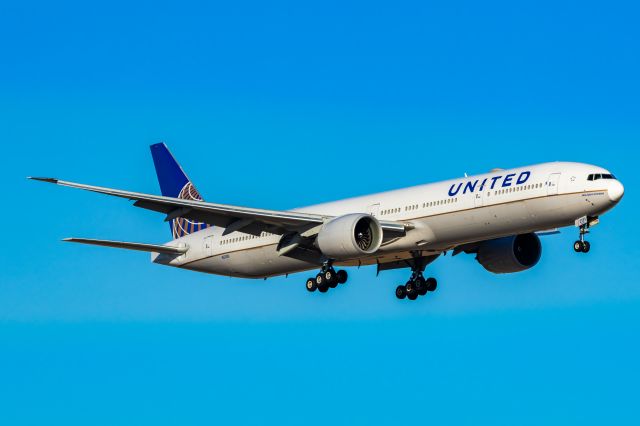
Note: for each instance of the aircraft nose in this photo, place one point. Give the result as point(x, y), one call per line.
point(616, 190)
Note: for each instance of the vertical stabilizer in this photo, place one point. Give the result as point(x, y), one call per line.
point(175, 183)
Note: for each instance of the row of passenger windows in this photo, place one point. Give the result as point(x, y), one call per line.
point(600, 176)
point(245, 237)
point(455, 200)
point(417, 206)
point(439, 202)
point(516, 189)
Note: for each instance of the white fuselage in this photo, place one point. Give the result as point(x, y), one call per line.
point(443, 215)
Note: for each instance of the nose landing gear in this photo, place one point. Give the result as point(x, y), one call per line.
point(582, 246)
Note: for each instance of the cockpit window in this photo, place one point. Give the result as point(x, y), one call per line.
point(597, 176)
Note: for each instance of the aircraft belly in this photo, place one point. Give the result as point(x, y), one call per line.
point(256, 262)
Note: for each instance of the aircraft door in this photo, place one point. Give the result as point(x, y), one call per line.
point(207, 246)
point(552, 183)
point(374, 210)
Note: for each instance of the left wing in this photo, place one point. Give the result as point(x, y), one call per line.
point(233, 218)
point(151, 248)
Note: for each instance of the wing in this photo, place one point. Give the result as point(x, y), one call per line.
point(232, 218)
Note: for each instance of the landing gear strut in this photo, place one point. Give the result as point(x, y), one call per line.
point(582, 246)
point(327, 278)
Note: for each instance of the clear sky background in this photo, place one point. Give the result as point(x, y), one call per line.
point(284, 104)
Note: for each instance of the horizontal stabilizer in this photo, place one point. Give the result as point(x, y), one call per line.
point(154, 248)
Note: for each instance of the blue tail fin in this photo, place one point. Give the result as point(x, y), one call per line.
point(175, 183)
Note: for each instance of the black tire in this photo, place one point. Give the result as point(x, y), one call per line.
point(331, 278)
point(421, 286)
point(578, 246)
point(410, 287)
point(321, 283)
point(432, 284)
point(329, 275)
point(342, 276)
point(586, 246)
point(311, 285)
point(401, 292)
point(412, 292)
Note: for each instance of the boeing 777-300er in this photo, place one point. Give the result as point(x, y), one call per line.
point(497, 216)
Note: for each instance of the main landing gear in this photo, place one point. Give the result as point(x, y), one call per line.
point(326, 279)
point(582, 246)
point(416, 286)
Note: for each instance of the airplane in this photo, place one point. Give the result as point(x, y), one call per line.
point(497, 216)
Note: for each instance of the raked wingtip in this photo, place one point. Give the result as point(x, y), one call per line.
point(43, 179)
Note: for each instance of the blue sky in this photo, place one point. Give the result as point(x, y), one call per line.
point(250, 97)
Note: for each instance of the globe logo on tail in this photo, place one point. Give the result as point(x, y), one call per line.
point(182, 226)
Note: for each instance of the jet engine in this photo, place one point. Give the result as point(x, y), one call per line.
point(510, 254)
point(350, 236)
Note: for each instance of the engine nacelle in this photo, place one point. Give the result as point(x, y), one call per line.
point(510, 254)
point(350, 236)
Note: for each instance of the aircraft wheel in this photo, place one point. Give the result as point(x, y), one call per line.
point(342, 276)
point(586, 246)
point(421, 286)
point(412, 293)
point(578, 246)
point(311, 285)
point(331, 278)
point(322, 283)
point(401, 292)
point(432, 284)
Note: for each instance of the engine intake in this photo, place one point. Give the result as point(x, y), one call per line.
point(510, 254)
point(350, 236)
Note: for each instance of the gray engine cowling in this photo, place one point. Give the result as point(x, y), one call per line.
point(350, 236)
point(510, 254)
